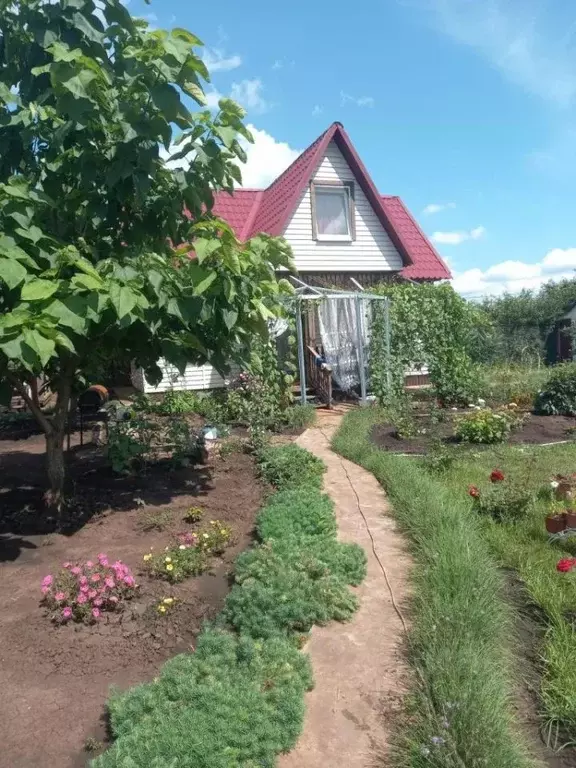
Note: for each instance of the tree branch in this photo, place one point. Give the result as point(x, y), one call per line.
point(40, 417)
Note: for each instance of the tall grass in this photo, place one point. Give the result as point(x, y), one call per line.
point(460, 713)
point(511, 383)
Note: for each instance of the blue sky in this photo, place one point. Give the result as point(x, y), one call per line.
point(468, 106)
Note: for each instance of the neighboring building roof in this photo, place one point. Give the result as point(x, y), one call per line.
point(250, 211)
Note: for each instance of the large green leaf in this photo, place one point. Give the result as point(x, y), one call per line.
point(203, 285)
point(75, 80)
point(36, 290)
point(166, 98)
point(44, 348)
point(123, 299)
point(12, 272)
point(70, 312)
point(204, 247)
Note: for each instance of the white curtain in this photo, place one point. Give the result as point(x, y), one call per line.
point(340, 338)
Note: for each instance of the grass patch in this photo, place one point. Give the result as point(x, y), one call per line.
point(239, 699)
point(525, 547)
point(460, 713)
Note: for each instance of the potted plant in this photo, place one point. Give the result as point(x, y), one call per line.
point(556, 519)
point(571, 518)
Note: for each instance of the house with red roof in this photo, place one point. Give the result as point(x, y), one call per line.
point(338, 224)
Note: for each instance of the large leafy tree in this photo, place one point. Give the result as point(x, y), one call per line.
point(93, 220)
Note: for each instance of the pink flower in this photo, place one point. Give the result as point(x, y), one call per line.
point(82, 599)
point(129, 581)
point(92, 594)
point(103, 559)
point(47, 581)
point(114, 599)
point(89, 564)
point(76, 570)
point(45, 590)
point(95, 577)
point(83, 580)
point(84, 588)
point(67, 613)
point(60, 596)
point(98, 602)
point(109, 581)
point(95, 613)
point(66, 565)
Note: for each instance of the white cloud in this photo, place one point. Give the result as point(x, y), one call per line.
point(217, 61)
point(530, 42)
point(317, 110)
point(362, 101)
point(456, 238)
point(212, 98)
point(437, 208)
point(266, 159)
point(513, 276)
point(284, 63)
point(248, 93)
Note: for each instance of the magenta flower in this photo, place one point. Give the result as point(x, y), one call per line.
point(67, 613)
point(84, 588)
point(95, 577)
point(45, 590)
point(76, 570)
point(98, 602)
point(103, 559)
point(82, 598)
point(59, 596)
point(109, 581)
point(66, 565)
point(129, 581)
point(92, 594)
point(47, 581)
point(83, 580)
point(95, 613)
point(89, 564)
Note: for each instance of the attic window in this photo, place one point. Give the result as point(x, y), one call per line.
point(333, 212)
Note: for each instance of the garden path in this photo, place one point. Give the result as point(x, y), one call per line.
point(359, 666)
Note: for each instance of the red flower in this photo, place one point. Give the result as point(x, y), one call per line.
point(474, 492)
point(496, 476)
point(566, 564)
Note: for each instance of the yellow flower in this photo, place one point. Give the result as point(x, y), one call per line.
point(162, 608)
point(212, 522)
point(168, 600)
point(223, 532)
point(168, 559)
point(169, 567)
point(147, 557)
point(205, 535)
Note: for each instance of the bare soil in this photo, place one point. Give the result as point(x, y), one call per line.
point(536, 430)
point(55, 680)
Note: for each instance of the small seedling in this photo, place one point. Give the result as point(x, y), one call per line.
point(157, 520)
point(194, 515)
point(92, 745)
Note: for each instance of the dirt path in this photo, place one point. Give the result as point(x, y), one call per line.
point(359, 667)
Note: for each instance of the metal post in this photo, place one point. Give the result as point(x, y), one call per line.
point(360, 337)
point(301, 360)
point(388, 344)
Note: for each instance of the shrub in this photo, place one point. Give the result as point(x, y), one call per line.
point(286, 466)
point(504, 500)
point(193, 515)
point(485, 426)
point(129, 444)
point(299, 416)
point(559, 393)
point(234, 702)
point(279, 595)
point(503, 384)
point(297, 511)
point(177, 403)
point(84, 591)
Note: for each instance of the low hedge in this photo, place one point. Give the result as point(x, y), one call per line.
point(460, 712)
point(238, 701)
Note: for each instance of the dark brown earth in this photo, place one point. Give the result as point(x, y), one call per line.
point(536, 430)
point(55, 680)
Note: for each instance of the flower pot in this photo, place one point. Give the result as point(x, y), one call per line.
point(570, 518)
point(555, 523)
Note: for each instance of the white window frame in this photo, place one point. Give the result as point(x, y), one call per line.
point(346, 189)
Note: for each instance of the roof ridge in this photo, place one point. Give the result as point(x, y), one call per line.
point(252, 215)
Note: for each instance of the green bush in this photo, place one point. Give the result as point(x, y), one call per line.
point(484, 426)
point(559, 393)
point(299, 416)
point(177, 402)
point(234, 702)
point(505, 384)
point(508, 501)
point(297, 511)
point(287, 466)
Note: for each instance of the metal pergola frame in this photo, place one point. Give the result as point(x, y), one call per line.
point(305, 292)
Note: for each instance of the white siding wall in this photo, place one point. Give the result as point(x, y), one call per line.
point(372, 250)
point(196, 377)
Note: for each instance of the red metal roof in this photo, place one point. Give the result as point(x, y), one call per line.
point(250, 211)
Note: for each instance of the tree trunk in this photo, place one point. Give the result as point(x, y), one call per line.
point(54, 497)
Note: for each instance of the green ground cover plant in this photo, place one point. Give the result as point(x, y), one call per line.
point(238, 700)
point(460, 710)
point(558, 395)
